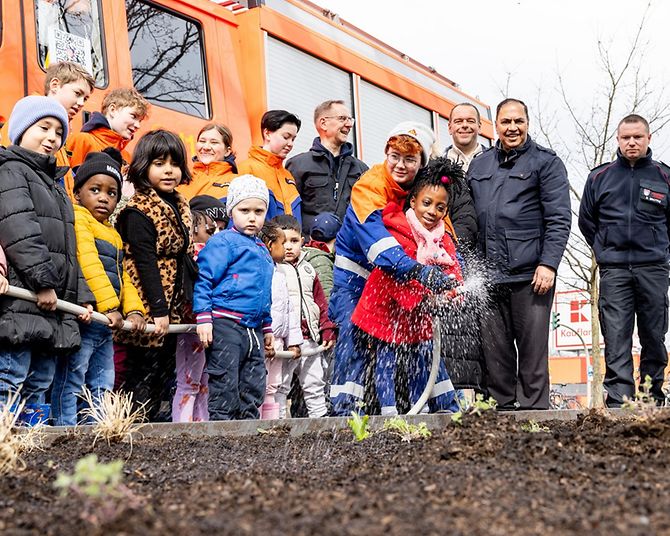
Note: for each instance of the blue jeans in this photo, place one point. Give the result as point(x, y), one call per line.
point(92, 365)
point(27, 369)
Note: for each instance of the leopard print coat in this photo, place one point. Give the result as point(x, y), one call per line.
point(172, 244)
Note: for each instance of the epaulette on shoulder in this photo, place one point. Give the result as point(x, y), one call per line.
point(600, 166)
point(545, 149)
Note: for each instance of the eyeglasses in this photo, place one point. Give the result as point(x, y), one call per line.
point(408, 161)
point(341, 118)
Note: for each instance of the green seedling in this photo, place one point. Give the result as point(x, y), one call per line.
point(406, 431)
point(480, 405)
point(643, 397)
point(533, 427)
point(359, 426)
point(100, 487)
point(457, 418)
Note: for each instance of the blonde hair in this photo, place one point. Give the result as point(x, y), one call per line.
point(67, 72)
point(125, 97)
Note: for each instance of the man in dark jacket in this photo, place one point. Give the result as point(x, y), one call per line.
point(326, 173)
point(625, 217)
point(520, 192)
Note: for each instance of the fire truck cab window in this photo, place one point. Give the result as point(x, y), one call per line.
point(167, 58)
point(70, 30)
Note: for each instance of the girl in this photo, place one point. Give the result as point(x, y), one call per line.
point(214, 167)
point(285, 321)
point(396, 315)
point(231, 302)
point(155, 227)
point(190, 399)
point(38, 239)
point(279, 129)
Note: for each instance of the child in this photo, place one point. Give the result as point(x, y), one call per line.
point(320, 250)
point(214, 166)
point(100, 252)
point(71, 85)
point(189, 403)
point(231, 302)
point(308, 298)
point(285, 321)
point(279, 129)
point(37, 236)
point(122, 113)
point(156, 228)
point(213, 208)
point(395, 315)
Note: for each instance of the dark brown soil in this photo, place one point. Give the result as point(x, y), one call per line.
point(488, 476)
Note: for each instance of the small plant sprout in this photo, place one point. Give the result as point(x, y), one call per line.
point(113, 416)
point(14, 443)
point(533, 427)
point(406, 431)
point(100, 486)
point(359, 426)
point(480, 405)
point(643, 400)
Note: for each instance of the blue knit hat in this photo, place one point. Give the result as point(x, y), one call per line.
point(29, 110)
point(325, 227)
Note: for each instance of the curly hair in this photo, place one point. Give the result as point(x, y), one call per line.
point(403, 144)
point(270, 233)
point(440, 171)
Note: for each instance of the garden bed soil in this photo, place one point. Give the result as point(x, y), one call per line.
point(594, 475)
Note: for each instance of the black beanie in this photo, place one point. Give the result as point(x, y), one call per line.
point(210, 205)
point(107, 162)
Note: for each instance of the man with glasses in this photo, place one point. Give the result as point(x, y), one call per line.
point(325, 174)
point(521, 197)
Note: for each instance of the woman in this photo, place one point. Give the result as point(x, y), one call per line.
point(364, 243)
point(279, 129)
point(215, 165)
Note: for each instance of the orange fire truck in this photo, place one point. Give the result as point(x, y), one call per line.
point(215, 60)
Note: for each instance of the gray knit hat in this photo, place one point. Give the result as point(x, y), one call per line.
point(246, 187)
point(29, 110)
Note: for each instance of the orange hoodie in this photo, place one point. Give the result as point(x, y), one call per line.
point(284, 197)
point(211, 179)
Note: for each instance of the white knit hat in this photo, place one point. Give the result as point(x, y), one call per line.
point(246, 187)
point(420, 132)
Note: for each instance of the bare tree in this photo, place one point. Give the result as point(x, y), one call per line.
point(624, 88)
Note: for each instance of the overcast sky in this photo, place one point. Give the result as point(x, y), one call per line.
point(477, 43)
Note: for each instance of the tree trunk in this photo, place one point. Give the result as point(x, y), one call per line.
point(597, 393)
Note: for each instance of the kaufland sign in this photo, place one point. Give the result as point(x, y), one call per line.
point(574, 308)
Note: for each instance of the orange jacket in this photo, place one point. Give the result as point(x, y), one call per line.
point(284, 197)
point(63, 159)
point(95, 135)
point(211, 179)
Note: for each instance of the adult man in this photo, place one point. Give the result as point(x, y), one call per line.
point(520, 192)
point(325, 174)
point(624, 217)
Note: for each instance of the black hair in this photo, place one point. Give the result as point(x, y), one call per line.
point(440, 171)
point(154, 145)
point(270, 233)
point(274, 119)
point(508, 101)
point(287, 222)
point(198, 217)
point(460, 104)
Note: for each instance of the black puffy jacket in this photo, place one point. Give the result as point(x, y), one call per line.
point(37, 236)
point(324, 182)
point(624, 214)
point(522, 202)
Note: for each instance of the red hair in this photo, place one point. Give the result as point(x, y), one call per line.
point(403, 144)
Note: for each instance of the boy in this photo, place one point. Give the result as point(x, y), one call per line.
point(122, 113)
point(70, 85)
point(231, 302)
point(100, 253)
point(320, 250)
point(37, 236)
point(308, 297)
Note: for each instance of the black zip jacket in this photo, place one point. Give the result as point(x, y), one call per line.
point(325, 181)
point(522, 202)
point(624, 214)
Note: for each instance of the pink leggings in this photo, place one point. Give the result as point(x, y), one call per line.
point(190, 399)
point(270, 407)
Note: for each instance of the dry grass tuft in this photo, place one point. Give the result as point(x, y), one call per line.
point(14, 443)
point(114, 418)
